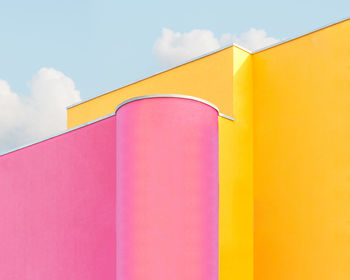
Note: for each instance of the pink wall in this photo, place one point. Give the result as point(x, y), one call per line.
point(127, 198)
point(167, 190)
point(57, 207)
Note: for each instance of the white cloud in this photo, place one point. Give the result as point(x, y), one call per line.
point(24, 119)
point(173, 48)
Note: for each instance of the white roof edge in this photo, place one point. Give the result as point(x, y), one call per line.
point(242, 48)
point(112, 114)
point(300, 35)
point(167, 96)
point(167, 69)
point(157, 73)
point(174, 96)
point(212, 52)
point(57, 134)
point(226, 117)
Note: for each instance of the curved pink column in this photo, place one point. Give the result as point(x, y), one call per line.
point(167, 190)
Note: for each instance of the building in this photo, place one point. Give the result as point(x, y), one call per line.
point(235, 165)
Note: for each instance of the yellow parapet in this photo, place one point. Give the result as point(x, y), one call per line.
point(209, 78)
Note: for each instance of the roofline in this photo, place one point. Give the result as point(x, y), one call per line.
point(166, 96)
point(242, 48)
point(163, 71)
point(174, 96)
point(300, 35)
point(213, 52)
point(115, 113)
point(57, 134)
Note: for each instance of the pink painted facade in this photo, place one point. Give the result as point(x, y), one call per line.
point(57, 207)
point(167, 190)
point(131, 197)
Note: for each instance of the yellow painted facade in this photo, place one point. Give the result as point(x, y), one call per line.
point(302, 157)
point(284, 160)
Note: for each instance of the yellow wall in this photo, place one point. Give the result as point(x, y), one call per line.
point(236, 177)
point(302, 158)
point(209, 78)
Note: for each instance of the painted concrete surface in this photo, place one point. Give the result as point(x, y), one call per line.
point(167, 190)
point(57, 205)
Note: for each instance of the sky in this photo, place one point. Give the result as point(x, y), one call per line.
point(56, 53)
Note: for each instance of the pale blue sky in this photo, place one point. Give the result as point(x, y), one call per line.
point(105, 44)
